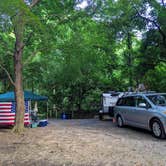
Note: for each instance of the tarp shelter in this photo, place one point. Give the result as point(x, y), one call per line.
point(8, 106)
point(9, 96)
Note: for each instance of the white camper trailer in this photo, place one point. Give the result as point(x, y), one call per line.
point(108, 102)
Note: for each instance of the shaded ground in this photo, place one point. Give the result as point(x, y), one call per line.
point(81, 143)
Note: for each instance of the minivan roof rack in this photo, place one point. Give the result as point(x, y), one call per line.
point(143, 92)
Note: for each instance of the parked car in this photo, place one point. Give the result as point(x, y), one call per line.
point(143, 110)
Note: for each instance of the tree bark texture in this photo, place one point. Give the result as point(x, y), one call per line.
point(19, 94)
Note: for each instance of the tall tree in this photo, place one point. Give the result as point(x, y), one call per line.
point(17, 15)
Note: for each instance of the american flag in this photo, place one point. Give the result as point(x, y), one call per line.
point(8, 112)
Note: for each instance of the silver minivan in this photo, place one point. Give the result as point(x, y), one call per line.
point(143, 110)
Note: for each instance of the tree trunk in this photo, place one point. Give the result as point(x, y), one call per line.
point(79, 98)
point(19, 94)
point(130, 61)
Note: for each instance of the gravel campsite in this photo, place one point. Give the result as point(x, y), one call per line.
point(75, 75)
point(81, 143)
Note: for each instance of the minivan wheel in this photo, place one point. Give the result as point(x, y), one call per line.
point(157, 129)
point(119, 121)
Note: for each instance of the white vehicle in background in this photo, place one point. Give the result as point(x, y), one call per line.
point(108, 102)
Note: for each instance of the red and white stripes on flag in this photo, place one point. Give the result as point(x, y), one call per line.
point(8, 112)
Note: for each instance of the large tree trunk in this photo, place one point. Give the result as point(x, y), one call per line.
point(19, 94)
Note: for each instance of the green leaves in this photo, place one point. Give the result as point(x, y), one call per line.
point(83, 52)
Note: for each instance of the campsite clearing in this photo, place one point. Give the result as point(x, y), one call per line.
point(81, 143)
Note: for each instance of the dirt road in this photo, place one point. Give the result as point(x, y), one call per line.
point(81, 143)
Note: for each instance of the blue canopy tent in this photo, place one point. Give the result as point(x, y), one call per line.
point(28, 96)
point(8, 106)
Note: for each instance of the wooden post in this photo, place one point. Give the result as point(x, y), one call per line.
point(55, 110)
point(54, 106)
point(47, 110)
point(72, 114)
point(50, 113)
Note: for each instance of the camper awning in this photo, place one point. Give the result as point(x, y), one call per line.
point(9, 96)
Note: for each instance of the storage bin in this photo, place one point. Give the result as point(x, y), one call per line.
point(43, 123)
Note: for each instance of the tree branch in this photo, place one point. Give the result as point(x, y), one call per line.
point(9, 76)
point(162, 60)
point(155, 24)
point(34, 2)
point(33, 55)
point(163, 3)
point(28, 40)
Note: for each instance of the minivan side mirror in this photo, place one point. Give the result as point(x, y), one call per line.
point(142, 105)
